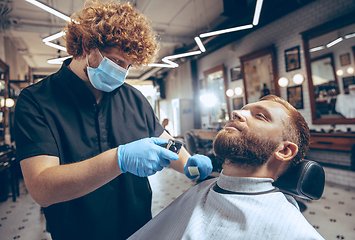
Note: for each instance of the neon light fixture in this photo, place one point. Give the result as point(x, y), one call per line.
point(338, 40)
point(203, 35)
point(49, 9)
point(53, 37)
point(58, 60)
point(200, 44)
point(316, 49)
point(258, 6)
point(55, 46)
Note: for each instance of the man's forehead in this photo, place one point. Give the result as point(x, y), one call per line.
point(271, 106)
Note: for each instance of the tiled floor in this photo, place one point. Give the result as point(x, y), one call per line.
point(333, 215)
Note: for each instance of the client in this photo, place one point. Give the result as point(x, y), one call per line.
point(260, 143)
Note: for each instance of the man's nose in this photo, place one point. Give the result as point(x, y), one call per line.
point(240, 115)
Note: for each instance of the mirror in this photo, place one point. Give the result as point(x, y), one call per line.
point(259, 74)
point(214, 98)
point(4, 81)
point(329, 55)
point(325, 86)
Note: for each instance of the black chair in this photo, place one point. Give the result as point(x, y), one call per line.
point(8, 171)
point(306, 180)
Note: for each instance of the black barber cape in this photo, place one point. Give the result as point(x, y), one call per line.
point(58, 116)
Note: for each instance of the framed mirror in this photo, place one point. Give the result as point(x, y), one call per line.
point(4, 82)
point(259, 74)
point(329, 56)
point(214, 90)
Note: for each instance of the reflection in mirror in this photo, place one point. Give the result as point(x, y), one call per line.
point(213, 96)
point(330, 69)
point(325, 86)
point(259, 74)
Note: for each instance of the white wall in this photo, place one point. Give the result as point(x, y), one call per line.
point(18, 67)
point(284, 34)
point(2, 47)
point(178, 84)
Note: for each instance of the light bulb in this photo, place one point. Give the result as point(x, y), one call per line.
point(350, 70)
point(238, 91)
point(229, 92)
point(283, 82)
point(9, 102)
point(209, 100)
point(298, 78)
point(340, 72)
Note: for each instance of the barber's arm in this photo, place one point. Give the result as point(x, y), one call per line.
point(49, 182)
point(203, 163)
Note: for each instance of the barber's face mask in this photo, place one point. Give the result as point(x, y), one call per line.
point(108, 76)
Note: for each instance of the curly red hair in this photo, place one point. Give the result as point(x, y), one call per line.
point(112, 24)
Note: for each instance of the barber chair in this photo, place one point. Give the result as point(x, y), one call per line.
point(306, 180)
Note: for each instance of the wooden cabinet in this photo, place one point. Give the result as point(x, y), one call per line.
point(332, 141)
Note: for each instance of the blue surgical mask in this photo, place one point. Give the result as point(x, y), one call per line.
point(108, 76)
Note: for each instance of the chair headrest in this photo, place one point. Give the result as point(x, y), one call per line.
point(306, 180)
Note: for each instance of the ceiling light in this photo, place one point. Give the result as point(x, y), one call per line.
point(170, 62)
point(209, 100)
point(160, 65)
point(350, 70)
point(259, 3)
point(58, 60)
point(182, 55)
point(53, 37)
point(225, 31)
point(200, 44)
point(238, 91)
point(283, 82)
point(338, 40)
point(350, 35)
point(316, 49)
point(298, 78)
point(340, 72)
point(49, 9)
point(230, 92)
point(56, 46)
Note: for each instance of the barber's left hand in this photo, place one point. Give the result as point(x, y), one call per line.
point(203, 163)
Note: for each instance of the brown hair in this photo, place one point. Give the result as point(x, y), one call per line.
point(112, 24)
point(297, 130)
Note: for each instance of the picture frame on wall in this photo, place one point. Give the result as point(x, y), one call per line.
point(295, 96)
point(292, 58)
point(345, 59)
point(238, 103)
point(348, 81)
point(236, 73)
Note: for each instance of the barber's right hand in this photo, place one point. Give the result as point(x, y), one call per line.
point(144, 157)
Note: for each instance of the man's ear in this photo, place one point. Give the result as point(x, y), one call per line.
point(286, 151)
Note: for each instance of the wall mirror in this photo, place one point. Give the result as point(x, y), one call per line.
point(329, 56)
point(213, 96)
point(259, 74)
point(4, 81)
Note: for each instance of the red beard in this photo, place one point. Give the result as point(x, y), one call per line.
point(245, 149)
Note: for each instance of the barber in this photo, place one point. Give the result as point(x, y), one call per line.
point(87, 141)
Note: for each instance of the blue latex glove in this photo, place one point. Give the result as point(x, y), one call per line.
point(144, 157)
point(203, 163)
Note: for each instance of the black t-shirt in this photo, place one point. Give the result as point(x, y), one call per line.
point(59, 117)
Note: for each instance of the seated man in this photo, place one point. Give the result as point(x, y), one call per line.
point(259, 144)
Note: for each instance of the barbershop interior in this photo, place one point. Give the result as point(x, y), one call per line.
point(215, 56)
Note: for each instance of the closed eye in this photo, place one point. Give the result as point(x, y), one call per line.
point(262, 116)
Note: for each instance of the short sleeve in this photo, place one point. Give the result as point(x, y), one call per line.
point(32, 135)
